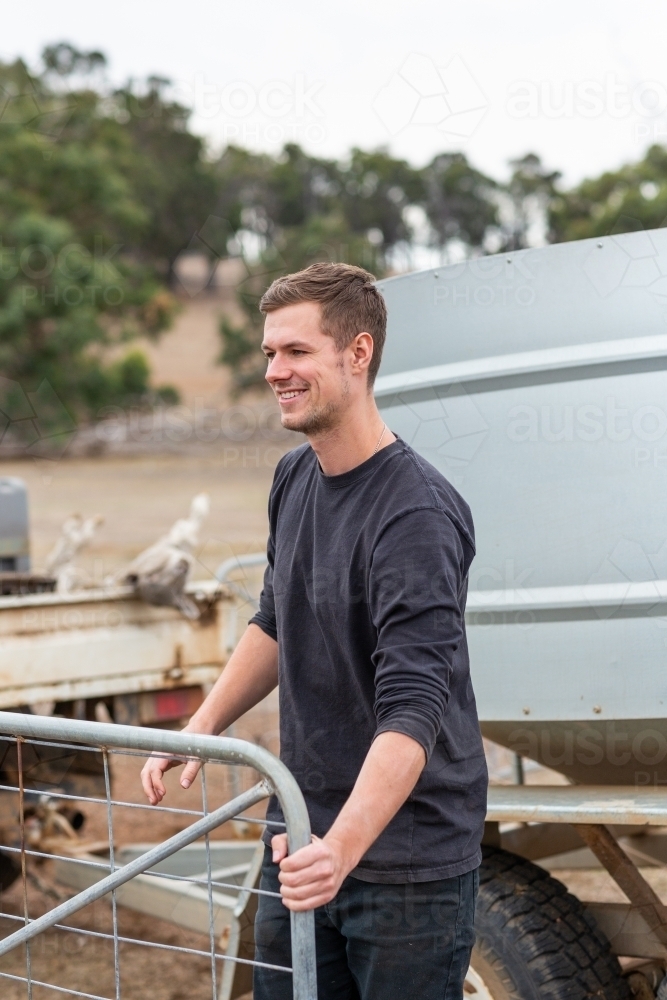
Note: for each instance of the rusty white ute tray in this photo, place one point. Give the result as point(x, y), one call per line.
point(97, 643)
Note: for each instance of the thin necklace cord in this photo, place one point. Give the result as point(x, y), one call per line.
point(377, 446)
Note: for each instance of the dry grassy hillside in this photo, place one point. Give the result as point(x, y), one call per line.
point(186, 355)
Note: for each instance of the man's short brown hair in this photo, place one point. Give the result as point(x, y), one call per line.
point(350, 302)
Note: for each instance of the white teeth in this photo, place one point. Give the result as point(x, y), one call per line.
point(290, 395)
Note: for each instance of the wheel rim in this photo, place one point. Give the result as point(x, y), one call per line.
point(475, 987)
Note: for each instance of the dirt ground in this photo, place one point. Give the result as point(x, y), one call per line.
point(86, 964)
point(140, 498)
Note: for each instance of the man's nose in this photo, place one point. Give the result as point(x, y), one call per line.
point(278, 370)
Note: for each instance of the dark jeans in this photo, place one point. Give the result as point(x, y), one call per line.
point(374, 941)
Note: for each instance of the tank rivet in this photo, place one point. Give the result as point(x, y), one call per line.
point(597, 709)
point(526, 711)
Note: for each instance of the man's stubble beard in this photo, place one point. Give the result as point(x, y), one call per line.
point(317, 420)
point(323, 418)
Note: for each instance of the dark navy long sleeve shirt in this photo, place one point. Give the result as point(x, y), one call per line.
point(365, 593)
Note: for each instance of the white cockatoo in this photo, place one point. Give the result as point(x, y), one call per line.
point(160, 572)
point(75, 534)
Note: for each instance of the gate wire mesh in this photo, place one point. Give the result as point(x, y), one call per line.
point(29, 743)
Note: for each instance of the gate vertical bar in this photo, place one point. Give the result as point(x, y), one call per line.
point(303, 955)
point(211, 925)
point(112, 868)
point(24, 870)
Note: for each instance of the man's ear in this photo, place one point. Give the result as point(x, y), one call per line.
point(362, 352)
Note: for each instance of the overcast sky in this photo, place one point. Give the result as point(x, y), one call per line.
point(581, 82)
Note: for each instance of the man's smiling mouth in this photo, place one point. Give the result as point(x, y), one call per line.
point(286, 394)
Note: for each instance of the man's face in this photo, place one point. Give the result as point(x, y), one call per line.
point(310, 378)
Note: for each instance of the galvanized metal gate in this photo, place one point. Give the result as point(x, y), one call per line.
point(27, 736)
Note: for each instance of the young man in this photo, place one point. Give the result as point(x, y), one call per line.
point(361, 624)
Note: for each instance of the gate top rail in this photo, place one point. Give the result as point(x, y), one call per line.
point(222, 749)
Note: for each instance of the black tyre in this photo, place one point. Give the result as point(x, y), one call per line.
point(535, 940)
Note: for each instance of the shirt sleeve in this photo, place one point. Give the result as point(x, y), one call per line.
point(417, 588)
point(266, 613)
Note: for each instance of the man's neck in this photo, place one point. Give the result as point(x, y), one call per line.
point(353, 440)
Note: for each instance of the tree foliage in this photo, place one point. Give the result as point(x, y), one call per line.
point(300, 209)
point(83, 250)
point(631, 198)
point(529, 195)
point(460, 202)
point(102, 188)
